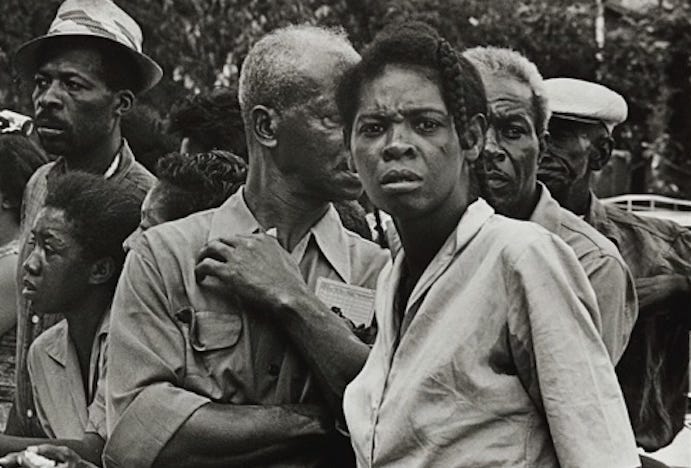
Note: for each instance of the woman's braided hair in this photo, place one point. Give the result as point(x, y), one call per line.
point(417, 44)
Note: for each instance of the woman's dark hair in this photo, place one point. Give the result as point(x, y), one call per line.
point(19, 159)
point(196, 182)
point(102, 213)
point(416, 44)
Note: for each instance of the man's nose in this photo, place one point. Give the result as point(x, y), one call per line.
point(493, 151)
point(50, 96)
point(398, 145)
point(32, 264)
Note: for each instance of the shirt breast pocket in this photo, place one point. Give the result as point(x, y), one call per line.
point(212, 354)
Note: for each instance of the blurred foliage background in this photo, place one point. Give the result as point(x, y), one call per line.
point(645, 56)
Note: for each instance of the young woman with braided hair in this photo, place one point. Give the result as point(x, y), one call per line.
point(486, 355)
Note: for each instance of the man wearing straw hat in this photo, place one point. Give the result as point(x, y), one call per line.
point(86, 71)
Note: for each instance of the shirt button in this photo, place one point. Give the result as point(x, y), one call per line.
point(29, 413)
point(274, 370)
point(34, 319)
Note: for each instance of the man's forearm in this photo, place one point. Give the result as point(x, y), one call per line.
point(330, 348)
point(89, 448)
point(216, 434)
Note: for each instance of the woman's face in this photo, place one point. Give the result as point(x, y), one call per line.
point(405, 146)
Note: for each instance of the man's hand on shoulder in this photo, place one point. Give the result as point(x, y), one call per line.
point(255, 267)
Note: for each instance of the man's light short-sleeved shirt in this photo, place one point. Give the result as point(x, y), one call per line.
point(500, 364)
point(608, 274)
point(176, 344)
point(62, 407)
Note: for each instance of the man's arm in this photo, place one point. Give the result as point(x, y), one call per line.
point(263, 274)
point(152, 414)
point(616, 301)
point(89, 448)
point(229, 435)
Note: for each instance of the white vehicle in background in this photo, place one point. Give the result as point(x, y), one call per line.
point(655, 206)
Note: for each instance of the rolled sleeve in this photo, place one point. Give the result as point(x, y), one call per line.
point(147, 425)
point(568, 370)
point(145, 399)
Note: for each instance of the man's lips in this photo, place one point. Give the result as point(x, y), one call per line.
point(29, 288)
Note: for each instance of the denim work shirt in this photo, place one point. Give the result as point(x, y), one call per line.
point(606, 270)
point(176, 345)
point(500, 364)
point(654, 370)
point(129, 173)
point(62, 407)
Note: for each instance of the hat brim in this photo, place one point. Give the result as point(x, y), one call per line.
point(26, 59)
point(580, 119)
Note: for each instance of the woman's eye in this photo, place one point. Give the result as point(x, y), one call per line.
point(428, 126)
point(371, 129)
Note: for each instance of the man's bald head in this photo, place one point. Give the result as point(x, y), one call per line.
point(283, 68)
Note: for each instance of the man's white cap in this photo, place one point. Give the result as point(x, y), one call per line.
point(584, 101)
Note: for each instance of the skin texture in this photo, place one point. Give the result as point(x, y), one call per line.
point(54, 271)
point(573, 151)
point(407, 152)
point(310, 152)
point(77, 115)
point(508, 166)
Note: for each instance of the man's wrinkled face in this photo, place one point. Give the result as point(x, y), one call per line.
point(55, 274)
point(566, 159)
point(311, 150)
point(507, 169)
point(74, 108)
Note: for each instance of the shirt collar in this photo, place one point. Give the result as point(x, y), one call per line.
point(475, 216)
point(59, 348)
point(234, 217)
point(124, 158)
point(547, 212)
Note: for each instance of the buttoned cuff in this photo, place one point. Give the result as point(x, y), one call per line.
point(147, 425)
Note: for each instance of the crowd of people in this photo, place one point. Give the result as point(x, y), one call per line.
point(247, 305)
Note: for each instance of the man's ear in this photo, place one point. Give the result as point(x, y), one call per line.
point(124, 102)
point(102, 271)
point(543, 141)
point(473, 138)
point(264, 124)
point(601, 152)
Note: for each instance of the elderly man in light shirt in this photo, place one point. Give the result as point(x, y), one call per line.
point(507, 173)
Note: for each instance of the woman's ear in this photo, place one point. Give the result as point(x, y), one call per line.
point(473, 138)
point(102, 270)
point(264, 124)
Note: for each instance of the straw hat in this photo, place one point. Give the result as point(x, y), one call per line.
point(101, 19)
